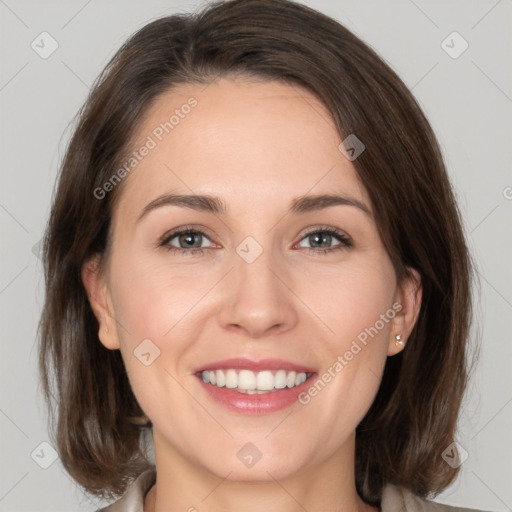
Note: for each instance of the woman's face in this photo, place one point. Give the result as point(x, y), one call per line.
point(269, 276)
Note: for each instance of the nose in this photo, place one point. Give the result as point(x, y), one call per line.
point(259, 299)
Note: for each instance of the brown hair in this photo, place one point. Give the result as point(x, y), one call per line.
point(414, 415)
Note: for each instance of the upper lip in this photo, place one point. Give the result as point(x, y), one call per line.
point(242, 363)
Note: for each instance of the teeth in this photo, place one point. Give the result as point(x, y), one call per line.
point(221, 378)
point(246, 381)
point(290, 379)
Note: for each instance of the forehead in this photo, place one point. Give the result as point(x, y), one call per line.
point(250, 141)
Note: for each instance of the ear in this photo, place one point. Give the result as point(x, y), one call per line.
point(99, 297)
point(408, 296)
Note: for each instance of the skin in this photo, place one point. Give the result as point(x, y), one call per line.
point(257, 145)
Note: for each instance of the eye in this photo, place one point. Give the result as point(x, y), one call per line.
point(192, 241)
point(322, 240)
point(185, 240)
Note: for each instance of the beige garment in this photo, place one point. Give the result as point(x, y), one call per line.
point(394, 499)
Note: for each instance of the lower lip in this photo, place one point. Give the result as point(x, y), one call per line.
point(263, 403)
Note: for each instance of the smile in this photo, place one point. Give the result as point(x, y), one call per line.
point(254, 387)
point(247, 381)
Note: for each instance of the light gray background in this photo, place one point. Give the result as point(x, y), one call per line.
point(468, 100)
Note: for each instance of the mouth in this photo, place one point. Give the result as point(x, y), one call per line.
point(254, 383)
point(254, 387)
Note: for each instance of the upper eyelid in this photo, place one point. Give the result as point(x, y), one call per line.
point(169, 235)
point(336, 231)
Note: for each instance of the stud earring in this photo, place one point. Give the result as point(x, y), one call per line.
point(398, 340)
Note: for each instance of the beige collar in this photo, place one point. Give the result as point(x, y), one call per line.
point(394, 499)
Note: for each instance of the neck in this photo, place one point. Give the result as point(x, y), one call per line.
point(183, 486)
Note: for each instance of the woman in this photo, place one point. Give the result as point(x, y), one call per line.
point(255, 261)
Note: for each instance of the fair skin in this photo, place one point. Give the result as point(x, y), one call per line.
point(257, 146)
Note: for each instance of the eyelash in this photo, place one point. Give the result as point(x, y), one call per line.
point(345, 241)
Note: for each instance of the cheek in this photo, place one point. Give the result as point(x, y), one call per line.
point(351, 301)
point(155, 302)
point(357, 307)
point(157, 322)
point(162, 311)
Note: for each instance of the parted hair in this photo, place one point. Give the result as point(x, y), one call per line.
point(95, 421)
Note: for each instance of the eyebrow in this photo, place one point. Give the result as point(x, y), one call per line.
point(215, 205)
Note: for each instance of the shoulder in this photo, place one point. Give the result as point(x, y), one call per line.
point(394, 499)
point(133, 499)
point(399, 499)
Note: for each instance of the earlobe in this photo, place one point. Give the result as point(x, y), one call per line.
point(408, 295)
point(99, 298)
point(396, 345)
